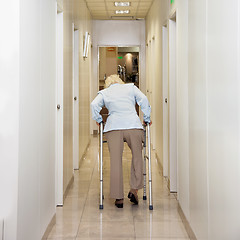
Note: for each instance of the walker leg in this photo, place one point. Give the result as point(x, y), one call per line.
point(144, 167)
point(101, 167)
point(149, 168)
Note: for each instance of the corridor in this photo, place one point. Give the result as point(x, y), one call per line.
point(183, 55)
point(80, 217)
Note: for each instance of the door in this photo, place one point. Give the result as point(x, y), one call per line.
point(76, 101)
point(172, 107)
point(59, 111)
point(165, 98)
point(152, 92)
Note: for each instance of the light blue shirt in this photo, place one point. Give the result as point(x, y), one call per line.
point(120, 100)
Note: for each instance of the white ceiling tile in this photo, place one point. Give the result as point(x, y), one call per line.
point(98, 8)
point(145, 4)
point(99, 12)
point(105, 14)
point(92, 4)
point(142, 11)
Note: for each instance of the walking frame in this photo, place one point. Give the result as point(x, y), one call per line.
point(146, 157)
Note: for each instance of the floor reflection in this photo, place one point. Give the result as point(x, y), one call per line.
point(80, 217)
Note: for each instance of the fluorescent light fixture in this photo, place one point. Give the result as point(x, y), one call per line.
point(122, 4)
point(122, 11)
point(86, 45)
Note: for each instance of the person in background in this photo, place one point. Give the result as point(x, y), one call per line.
point(123, 124)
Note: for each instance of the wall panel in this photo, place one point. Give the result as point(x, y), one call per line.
point(208, 53)
point(9, 115)
point(36, 192)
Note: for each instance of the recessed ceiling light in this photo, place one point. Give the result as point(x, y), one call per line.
point(122, 4)
point(122, 11)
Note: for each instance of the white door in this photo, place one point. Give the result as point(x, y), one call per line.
point(152, 92)
point(172, 106)
point(59, 110)
point(165, 98)
point(76, 102)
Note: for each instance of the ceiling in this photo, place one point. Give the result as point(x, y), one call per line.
point(105, 9)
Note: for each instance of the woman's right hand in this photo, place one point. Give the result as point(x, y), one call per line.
point(146, 123)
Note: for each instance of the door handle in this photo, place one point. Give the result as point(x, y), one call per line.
point(165, 100)
point(75, 98)
point(58, 107)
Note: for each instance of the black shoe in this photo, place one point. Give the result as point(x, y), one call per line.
point(119, 203)
point(133, 198)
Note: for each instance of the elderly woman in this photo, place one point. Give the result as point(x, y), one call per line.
point(123, 124)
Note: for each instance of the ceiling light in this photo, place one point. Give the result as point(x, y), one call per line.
point(122, 4)
point(122, 11)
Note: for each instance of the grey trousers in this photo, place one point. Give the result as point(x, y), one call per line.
point(134, 139)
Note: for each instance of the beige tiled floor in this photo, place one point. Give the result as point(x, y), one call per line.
point(81, 219)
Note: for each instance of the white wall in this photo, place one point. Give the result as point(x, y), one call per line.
point(75, 11)
point(208, 53)
point(9, 115)
point(116, 33)
point(27, 117)
point(36, 188)
point(182, 105)
point(156, 18)
point(198, 120)
point(83, 22)
point(223, 111)
point(27, 112)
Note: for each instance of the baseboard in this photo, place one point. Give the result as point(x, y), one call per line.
point(186, 224)
point(53, 221)
point(161, 169)
point(2, 229)
point(159, 162)
point(95, 132)
point(49, 227)
point(180, 211)
point(68, 187)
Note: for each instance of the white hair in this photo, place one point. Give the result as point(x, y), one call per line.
point(113, 79)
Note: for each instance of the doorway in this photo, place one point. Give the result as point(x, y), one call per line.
point(123, 61)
